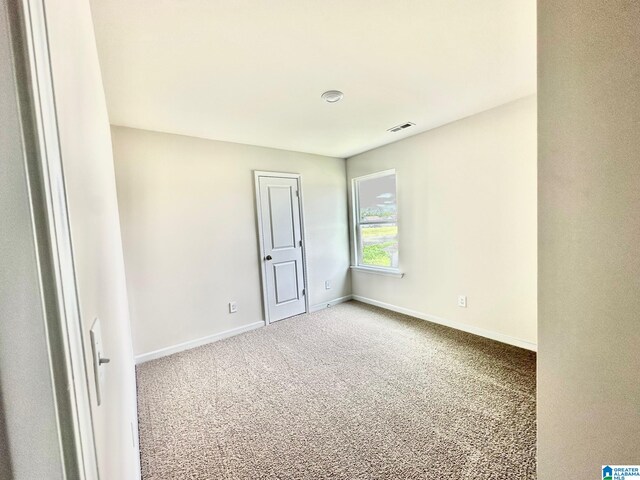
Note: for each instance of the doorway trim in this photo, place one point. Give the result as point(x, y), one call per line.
point(54, 249)
point(263, 272)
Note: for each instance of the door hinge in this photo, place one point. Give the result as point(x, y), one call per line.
point(303, 291)
point(297, 193)
point(300, 243)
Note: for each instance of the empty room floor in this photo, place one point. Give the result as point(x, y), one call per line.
point(350, 392)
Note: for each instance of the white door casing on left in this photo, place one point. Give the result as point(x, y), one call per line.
point(280, 231)
point(77, 143)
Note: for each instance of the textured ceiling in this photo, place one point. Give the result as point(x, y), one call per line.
point(252, 71)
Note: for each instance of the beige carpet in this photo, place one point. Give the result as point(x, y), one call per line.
point(350, 392)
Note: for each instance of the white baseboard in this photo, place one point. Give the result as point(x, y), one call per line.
point(448, 323)
point(330, 303)
point(163, 352)
point(198, 342)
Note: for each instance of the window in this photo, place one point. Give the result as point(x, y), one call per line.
point(376, 220)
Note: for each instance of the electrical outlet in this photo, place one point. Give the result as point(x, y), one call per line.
point(233, 307)
point(327, 284)
point(462, 301)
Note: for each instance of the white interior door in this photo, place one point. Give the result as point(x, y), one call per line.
point(280, 218)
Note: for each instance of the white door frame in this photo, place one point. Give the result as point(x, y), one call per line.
point(263, 269)
point(81, 458)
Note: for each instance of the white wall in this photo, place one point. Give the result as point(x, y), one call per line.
point(93, 212)
point(589, 215)
point(467, 214)
point(187, 208)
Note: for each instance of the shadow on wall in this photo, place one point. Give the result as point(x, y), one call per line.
point(5, 463)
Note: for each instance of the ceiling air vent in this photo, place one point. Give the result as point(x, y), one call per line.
point(397, 128)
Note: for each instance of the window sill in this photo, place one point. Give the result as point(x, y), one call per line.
point(389, 272)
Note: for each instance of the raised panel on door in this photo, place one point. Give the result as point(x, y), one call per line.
point(280, 219)
point(285, 276)
point(281, 216)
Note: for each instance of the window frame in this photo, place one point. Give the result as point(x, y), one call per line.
point(356, 241)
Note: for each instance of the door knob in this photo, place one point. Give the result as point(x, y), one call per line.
point(268, 257)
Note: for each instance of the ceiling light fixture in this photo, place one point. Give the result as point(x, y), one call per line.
point(332, 96)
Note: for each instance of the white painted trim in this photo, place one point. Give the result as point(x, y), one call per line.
point(448, 323)
point(198, 342)
point(383, 173)
point(263, 272)
point(303, 234)
point(262, 173)
point(59, 231)
point(330, 303)
point(389, 272)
